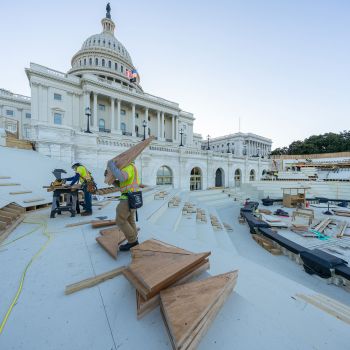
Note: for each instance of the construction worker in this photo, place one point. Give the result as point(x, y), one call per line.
point(83, 176)
point(127, 180)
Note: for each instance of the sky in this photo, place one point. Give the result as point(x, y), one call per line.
point(280, 67)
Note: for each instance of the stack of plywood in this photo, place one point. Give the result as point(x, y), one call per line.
point(157, 265)
point(174, 202)
point(215, 223)
point(10, 217)
point(110, 240)
point(189, 209)
point(189, 309)
point(201, 216)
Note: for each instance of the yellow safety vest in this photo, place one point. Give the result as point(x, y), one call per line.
point(132, 183)
point(84, 174)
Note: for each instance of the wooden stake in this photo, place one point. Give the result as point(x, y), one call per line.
point(93, 281)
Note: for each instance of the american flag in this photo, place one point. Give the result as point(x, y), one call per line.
point(134, 76)
point(128, 73)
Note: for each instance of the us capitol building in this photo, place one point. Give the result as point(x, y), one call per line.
point(98, 87)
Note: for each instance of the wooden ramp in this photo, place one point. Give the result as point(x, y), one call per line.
point(189, 309)
point(110, 240)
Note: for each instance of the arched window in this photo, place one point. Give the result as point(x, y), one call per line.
point(90, 61)
point(96, 61)
point(101, 124)
point(103, 62)
point(252, 175)
point(109, 64)
point(238, 174)
point(116, 66)
point(164, 176)
point(196, 179)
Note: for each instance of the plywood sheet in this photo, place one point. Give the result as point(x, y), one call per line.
point(110, 242)
point(189, 307)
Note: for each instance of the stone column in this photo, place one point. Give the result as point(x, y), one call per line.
point(94, 116)
point(177, 129)
point(119, 102)
point(158, 125)
point(162, 128)
point(146, 119)
point(133, 116)
point(112, 115)
point(173, 128)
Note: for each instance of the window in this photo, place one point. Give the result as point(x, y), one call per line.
point(109, 64)
point(101, 107)
point(57, 118)
point(101, 125)
point(137, 116)
point(122, 69)
point(164, 176)
point(116, 66)
point(57, 97)
point(90, 61)
point(9, 112)
point(79, 62)
point(123, 112)
point(123, 127)
point(96, 61)
point(149, 118)
point(137, 130)
point(28, 115)
point(103, 62)
point(84, 61)
point(149, 131)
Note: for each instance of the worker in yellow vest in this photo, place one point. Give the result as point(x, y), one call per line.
point(83, 176)
point(127, 181)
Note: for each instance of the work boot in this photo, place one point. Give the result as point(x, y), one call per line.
point(125, 247)
point(86, 213)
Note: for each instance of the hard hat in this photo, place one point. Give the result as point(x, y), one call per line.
point(75, 165)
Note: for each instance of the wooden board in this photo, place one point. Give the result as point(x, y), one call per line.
point(102, 223)
point(191, 307)
point(145, 306)
point(92, 281)
point(80, 223)
point(34, 200)
point(110, 242)
point(158, 270)
point(20, 192)
point(127, 157)
point(10, 184)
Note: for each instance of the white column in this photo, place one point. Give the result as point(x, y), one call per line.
point(119, 102)
point(133, 116)
point(158, 125)
point(112, 115)
point(146, 119)
point(177, 129)
point(86, 104)
point(162, 128)
point(94, 117)
point(173, 128)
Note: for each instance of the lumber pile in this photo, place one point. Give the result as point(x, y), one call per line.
point(157, 265)
point(201, 216)
point(10, 217)
point(342, 228)
point(320, 227)
point(339, 212)
point(189, 209)
point(125, 158)
point(215, 223)
point(174, 202)
point(189, 309)
point(110, 240)
point(161, 195)
point(267, 244)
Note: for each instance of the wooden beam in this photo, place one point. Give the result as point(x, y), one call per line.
point(10, 184)
point(80, 223)
point(93, 281)
point(20, 192)
point(34, 200)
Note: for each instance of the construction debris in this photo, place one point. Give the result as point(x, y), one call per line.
point(228, 227)
point(189, 309)
point(201, 216)
point(189, 209)
point(215, 223)
point(267, 244)
point(174, 202)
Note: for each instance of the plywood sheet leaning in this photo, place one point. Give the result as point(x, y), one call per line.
point(127, 157)
point(189, 309)
point(156, 265)
point(110, 240)
point(10, 217)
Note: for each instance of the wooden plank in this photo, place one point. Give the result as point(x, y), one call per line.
point(102, 223)
point(93, 281)
point(80, 223)
point(110, 242)
point(146, 306)
point(157, 271)
point(4, 234)
point(10, 184)
point(16, 207)
point(8, 214)
point(135, 282)
point(20, 192)
point(191, 307)
point(12, 211)
point(5, 219)
point(33, 200)
point(127, 157)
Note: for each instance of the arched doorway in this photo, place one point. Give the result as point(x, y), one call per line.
point(196, 179)
point(164, 176)
point(238, 176)
point(219, 178)
point(252, 175)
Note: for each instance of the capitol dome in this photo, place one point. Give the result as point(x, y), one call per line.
point(105, 56)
